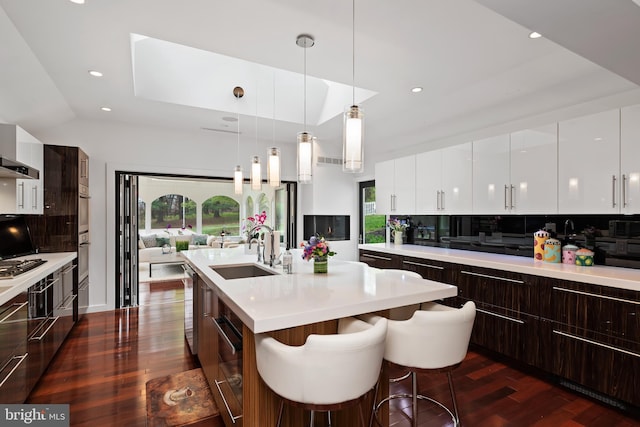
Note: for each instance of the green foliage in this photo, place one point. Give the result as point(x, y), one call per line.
point(374, 229)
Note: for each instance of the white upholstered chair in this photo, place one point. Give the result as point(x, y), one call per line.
point(329, 371)
point(434, 339)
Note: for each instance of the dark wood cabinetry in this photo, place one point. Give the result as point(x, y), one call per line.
point(586, 334)
point(380, 260)
point(64, 226)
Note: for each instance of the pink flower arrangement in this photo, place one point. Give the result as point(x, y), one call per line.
point(316, 248)
point(252, 221)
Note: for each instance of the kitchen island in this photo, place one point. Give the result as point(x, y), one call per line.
point(289, 307)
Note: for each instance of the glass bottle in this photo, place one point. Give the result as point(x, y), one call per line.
point(287, 262)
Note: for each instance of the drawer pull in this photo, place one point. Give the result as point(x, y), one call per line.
point(376, 257)
point(224, 400)
point(631, 353)
point(39, 337)
point(14, 311)
point(628, 301)
point(221, 332)
point(68, 270)
point(50, 284)
point(504, 279)
point(21, 359)
point(64, 305)
point(511, 319)
point(437, 267)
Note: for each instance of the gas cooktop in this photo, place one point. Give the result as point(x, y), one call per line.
point(12, 268)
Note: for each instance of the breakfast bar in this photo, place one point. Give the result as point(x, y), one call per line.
point(287, 306)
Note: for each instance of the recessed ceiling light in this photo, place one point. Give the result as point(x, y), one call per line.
point(229, 119)
point(637, 2)
point(105, 108)
point(77, 1)
point(95, 73)
point(534, 35)
point(416, 89)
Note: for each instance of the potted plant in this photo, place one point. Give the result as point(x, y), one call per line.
point(317, 249)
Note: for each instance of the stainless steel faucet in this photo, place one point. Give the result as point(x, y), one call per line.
point(272, 255)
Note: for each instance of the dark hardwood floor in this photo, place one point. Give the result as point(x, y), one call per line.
point(102, 368)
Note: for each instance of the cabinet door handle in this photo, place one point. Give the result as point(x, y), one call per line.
point(506, 205)
point(20, 359)
point(376, 257)
point(438, 200)
point(613, 191)
point(512, 199)
point(39, 337)
point(224, 400)
point(610, 347)
point(34, 193)
point(21, 203)
point(221, 332)
point(490, 313)
point(14, 311)
point(624, 191)
point(589, 294)
point(442, 206)
point(504, 279)
point(419, 264)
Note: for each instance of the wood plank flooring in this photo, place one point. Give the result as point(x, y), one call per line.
point(102, 368)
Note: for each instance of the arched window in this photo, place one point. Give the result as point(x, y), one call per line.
point(172, 211)
point(221, 213)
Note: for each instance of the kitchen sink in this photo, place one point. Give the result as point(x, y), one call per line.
point(241, 271)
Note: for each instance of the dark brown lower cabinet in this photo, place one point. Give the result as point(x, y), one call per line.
point(433, 270)
point(380, 260)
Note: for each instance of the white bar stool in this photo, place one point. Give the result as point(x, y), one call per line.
point(435, 339)
point(328, 372)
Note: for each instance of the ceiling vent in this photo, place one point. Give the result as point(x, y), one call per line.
point(329, 161)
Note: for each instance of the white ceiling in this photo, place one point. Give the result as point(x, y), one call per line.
point(478, 68)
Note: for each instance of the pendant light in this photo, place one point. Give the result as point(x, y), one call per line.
point(256, 170)
point(238, 92)
point(353, 130)
point(273, 153)
point(305, 139)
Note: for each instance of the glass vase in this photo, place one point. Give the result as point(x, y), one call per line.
point(397, 237)
point(320, 265)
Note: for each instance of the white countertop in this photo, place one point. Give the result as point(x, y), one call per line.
point(281, 301)
point(9, 288)
point(617, 277)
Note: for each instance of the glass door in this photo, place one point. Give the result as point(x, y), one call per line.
point(372, 225)
point(127, 249)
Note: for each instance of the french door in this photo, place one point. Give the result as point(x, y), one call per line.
point(127, 248)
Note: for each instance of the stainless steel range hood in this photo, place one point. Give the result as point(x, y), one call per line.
point(16, 170)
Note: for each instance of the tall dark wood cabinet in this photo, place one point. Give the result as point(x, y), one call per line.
point(64, 226)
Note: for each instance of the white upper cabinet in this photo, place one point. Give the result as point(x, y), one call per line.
point(395, 186)
point(443, 180)
point(630, 160)
point(589, 159)
point(428, 182)
point(534, 170)
point(491, 187)
point(21, 196)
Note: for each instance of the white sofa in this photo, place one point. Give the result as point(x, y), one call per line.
point(149, 245)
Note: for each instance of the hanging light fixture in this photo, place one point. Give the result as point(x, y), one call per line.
point(305, 139)
point(353, 130)
point(238, 92)
point(273, 153)
point(256, 170)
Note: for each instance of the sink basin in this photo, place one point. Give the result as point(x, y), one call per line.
point(241, 271)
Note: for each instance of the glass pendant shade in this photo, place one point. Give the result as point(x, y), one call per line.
point(273, 166)
point(237, 180)
point(256, 174)
point(353, 135)
point(305, 157)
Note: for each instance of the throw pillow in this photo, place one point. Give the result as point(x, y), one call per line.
point(140, 244)
point(161, 241)
point(200, 239)
point(149, 240)
point(182, 245)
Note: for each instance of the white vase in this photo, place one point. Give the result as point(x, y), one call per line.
point(397, 237)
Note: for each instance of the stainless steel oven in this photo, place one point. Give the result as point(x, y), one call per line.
point(83, 255)
point(83, 210)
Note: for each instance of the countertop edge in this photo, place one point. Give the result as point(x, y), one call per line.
point(616, 277)
point(25, 280)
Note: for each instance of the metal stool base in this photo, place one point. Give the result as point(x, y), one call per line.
point(410, 396)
